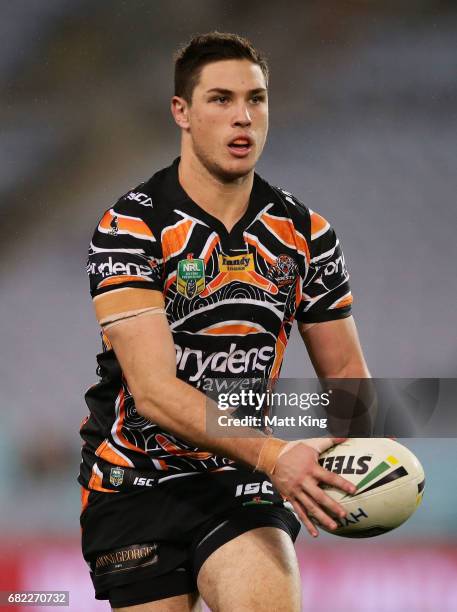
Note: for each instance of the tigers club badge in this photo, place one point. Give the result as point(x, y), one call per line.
point(190, 280)
point(284, 271)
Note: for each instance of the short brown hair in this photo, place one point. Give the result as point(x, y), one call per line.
point(207, 48)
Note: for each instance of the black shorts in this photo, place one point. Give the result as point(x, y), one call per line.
point(149, 544)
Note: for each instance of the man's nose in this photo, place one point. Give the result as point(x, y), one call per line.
point(242, 116)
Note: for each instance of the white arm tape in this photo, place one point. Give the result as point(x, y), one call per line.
point(117, 318)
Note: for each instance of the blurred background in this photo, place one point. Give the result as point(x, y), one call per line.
point(363, 104)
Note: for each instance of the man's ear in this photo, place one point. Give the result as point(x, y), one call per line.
point(180, 112)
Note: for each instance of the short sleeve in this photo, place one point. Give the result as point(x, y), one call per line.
point(124, 251)
point(326, 294)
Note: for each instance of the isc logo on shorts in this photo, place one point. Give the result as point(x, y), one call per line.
point(251, 488)
point(144, 482)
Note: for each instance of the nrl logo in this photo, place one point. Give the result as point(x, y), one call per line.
point(116, 476)
point(190, 280)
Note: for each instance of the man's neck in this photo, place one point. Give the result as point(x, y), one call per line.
point(227, 201)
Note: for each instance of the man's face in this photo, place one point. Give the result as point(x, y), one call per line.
point(228, 117)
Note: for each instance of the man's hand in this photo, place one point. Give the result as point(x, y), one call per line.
point(297, 475)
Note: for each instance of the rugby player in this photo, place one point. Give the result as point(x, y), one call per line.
point(199, 273)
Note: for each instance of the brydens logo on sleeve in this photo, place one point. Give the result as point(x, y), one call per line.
point(115, 268)
point(233, 361)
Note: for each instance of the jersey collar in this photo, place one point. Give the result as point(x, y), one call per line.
point(232, 240)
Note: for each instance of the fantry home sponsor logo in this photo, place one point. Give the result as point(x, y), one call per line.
point(237, 263)
point(234, 361)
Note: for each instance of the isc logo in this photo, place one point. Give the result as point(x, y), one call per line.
point(251, 488)
point(143, 482)
point(141, 198)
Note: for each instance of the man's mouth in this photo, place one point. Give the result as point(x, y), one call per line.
point(240, 146)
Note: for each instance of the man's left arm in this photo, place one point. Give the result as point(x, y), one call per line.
point(335, 352)
point(325, 322)
point(334, 348)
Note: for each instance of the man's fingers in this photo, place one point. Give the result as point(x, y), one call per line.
point(323, 444)
point(312, 529)
point(314, 510)
point(334, 480)
point(325, 500)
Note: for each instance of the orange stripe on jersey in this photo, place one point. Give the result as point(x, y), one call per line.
point(135, 226)
point(345, 301)
point(124, 224)
point(220, 469)
point(226, 330)
point(302, 245)
point(109, 454)
point(124, 278)
point(318, 225)
point(95, 482)
point(175, 238)
point(170, 447)
point(84, 499)
point(283, 228)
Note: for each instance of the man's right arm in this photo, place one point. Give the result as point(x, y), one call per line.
point(145, 350)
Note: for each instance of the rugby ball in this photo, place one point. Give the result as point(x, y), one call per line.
point(389, 480)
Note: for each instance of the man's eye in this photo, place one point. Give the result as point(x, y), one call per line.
point(257, 99)
point(220, 99)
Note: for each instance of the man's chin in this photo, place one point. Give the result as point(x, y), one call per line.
point(233, 170)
